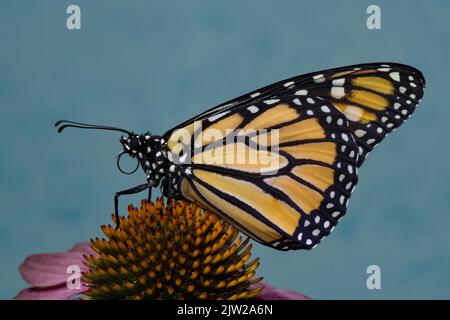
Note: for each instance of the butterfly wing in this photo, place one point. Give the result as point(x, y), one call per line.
point(376, 98)
point(298, 201)
point(295, 192)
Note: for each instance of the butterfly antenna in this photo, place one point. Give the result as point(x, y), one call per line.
point(62, 124)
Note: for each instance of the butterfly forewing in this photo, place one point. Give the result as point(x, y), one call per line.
point(376, 98)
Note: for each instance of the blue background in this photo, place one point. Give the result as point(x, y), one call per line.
point(149, 65)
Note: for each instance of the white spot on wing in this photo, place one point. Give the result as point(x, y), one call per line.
point(395, 76)
point(302, 92)
point(353, 113)
point(325, 108)
point(319, 78)
point(337, 92)
point(217, 116)
point(359, 133)
point(271, 101)
point(338, 82)
point(297, 101)
point(253, 109)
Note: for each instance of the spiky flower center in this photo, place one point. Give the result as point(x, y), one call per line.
point(182, 253)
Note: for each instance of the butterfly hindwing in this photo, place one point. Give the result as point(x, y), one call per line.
point(292, 202)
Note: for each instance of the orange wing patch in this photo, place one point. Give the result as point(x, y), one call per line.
point(302, 130)
point(369, 99)
point(252, 224)
point(374, 83)
point(277, 115)
point(273, 209)
point(318, 151)
point(298, 131)
point(360, 72)
point(321, 177)
point(304, 197)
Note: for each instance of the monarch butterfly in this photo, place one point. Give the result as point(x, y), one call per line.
point(325, 123)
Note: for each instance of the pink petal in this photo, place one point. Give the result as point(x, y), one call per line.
point(83, 247)
point(270, 293)
point(278, 294)
point(51, 293)
point(46, 270)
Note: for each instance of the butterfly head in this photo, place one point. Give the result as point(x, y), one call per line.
point(145, 147)
point(132, 144)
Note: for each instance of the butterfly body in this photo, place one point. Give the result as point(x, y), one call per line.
point(281, 162)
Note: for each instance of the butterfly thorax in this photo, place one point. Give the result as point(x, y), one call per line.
point(149, 151)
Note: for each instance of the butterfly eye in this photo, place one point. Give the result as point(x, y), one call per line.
point(120, 168)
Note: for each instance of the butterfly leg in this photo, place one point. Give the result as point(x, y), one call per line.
point(149, 198)
point(167, 191)
point(134, 190)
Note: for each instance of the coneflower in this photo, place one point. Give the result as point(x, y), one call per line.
point(157, 253)
point(178, 253)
